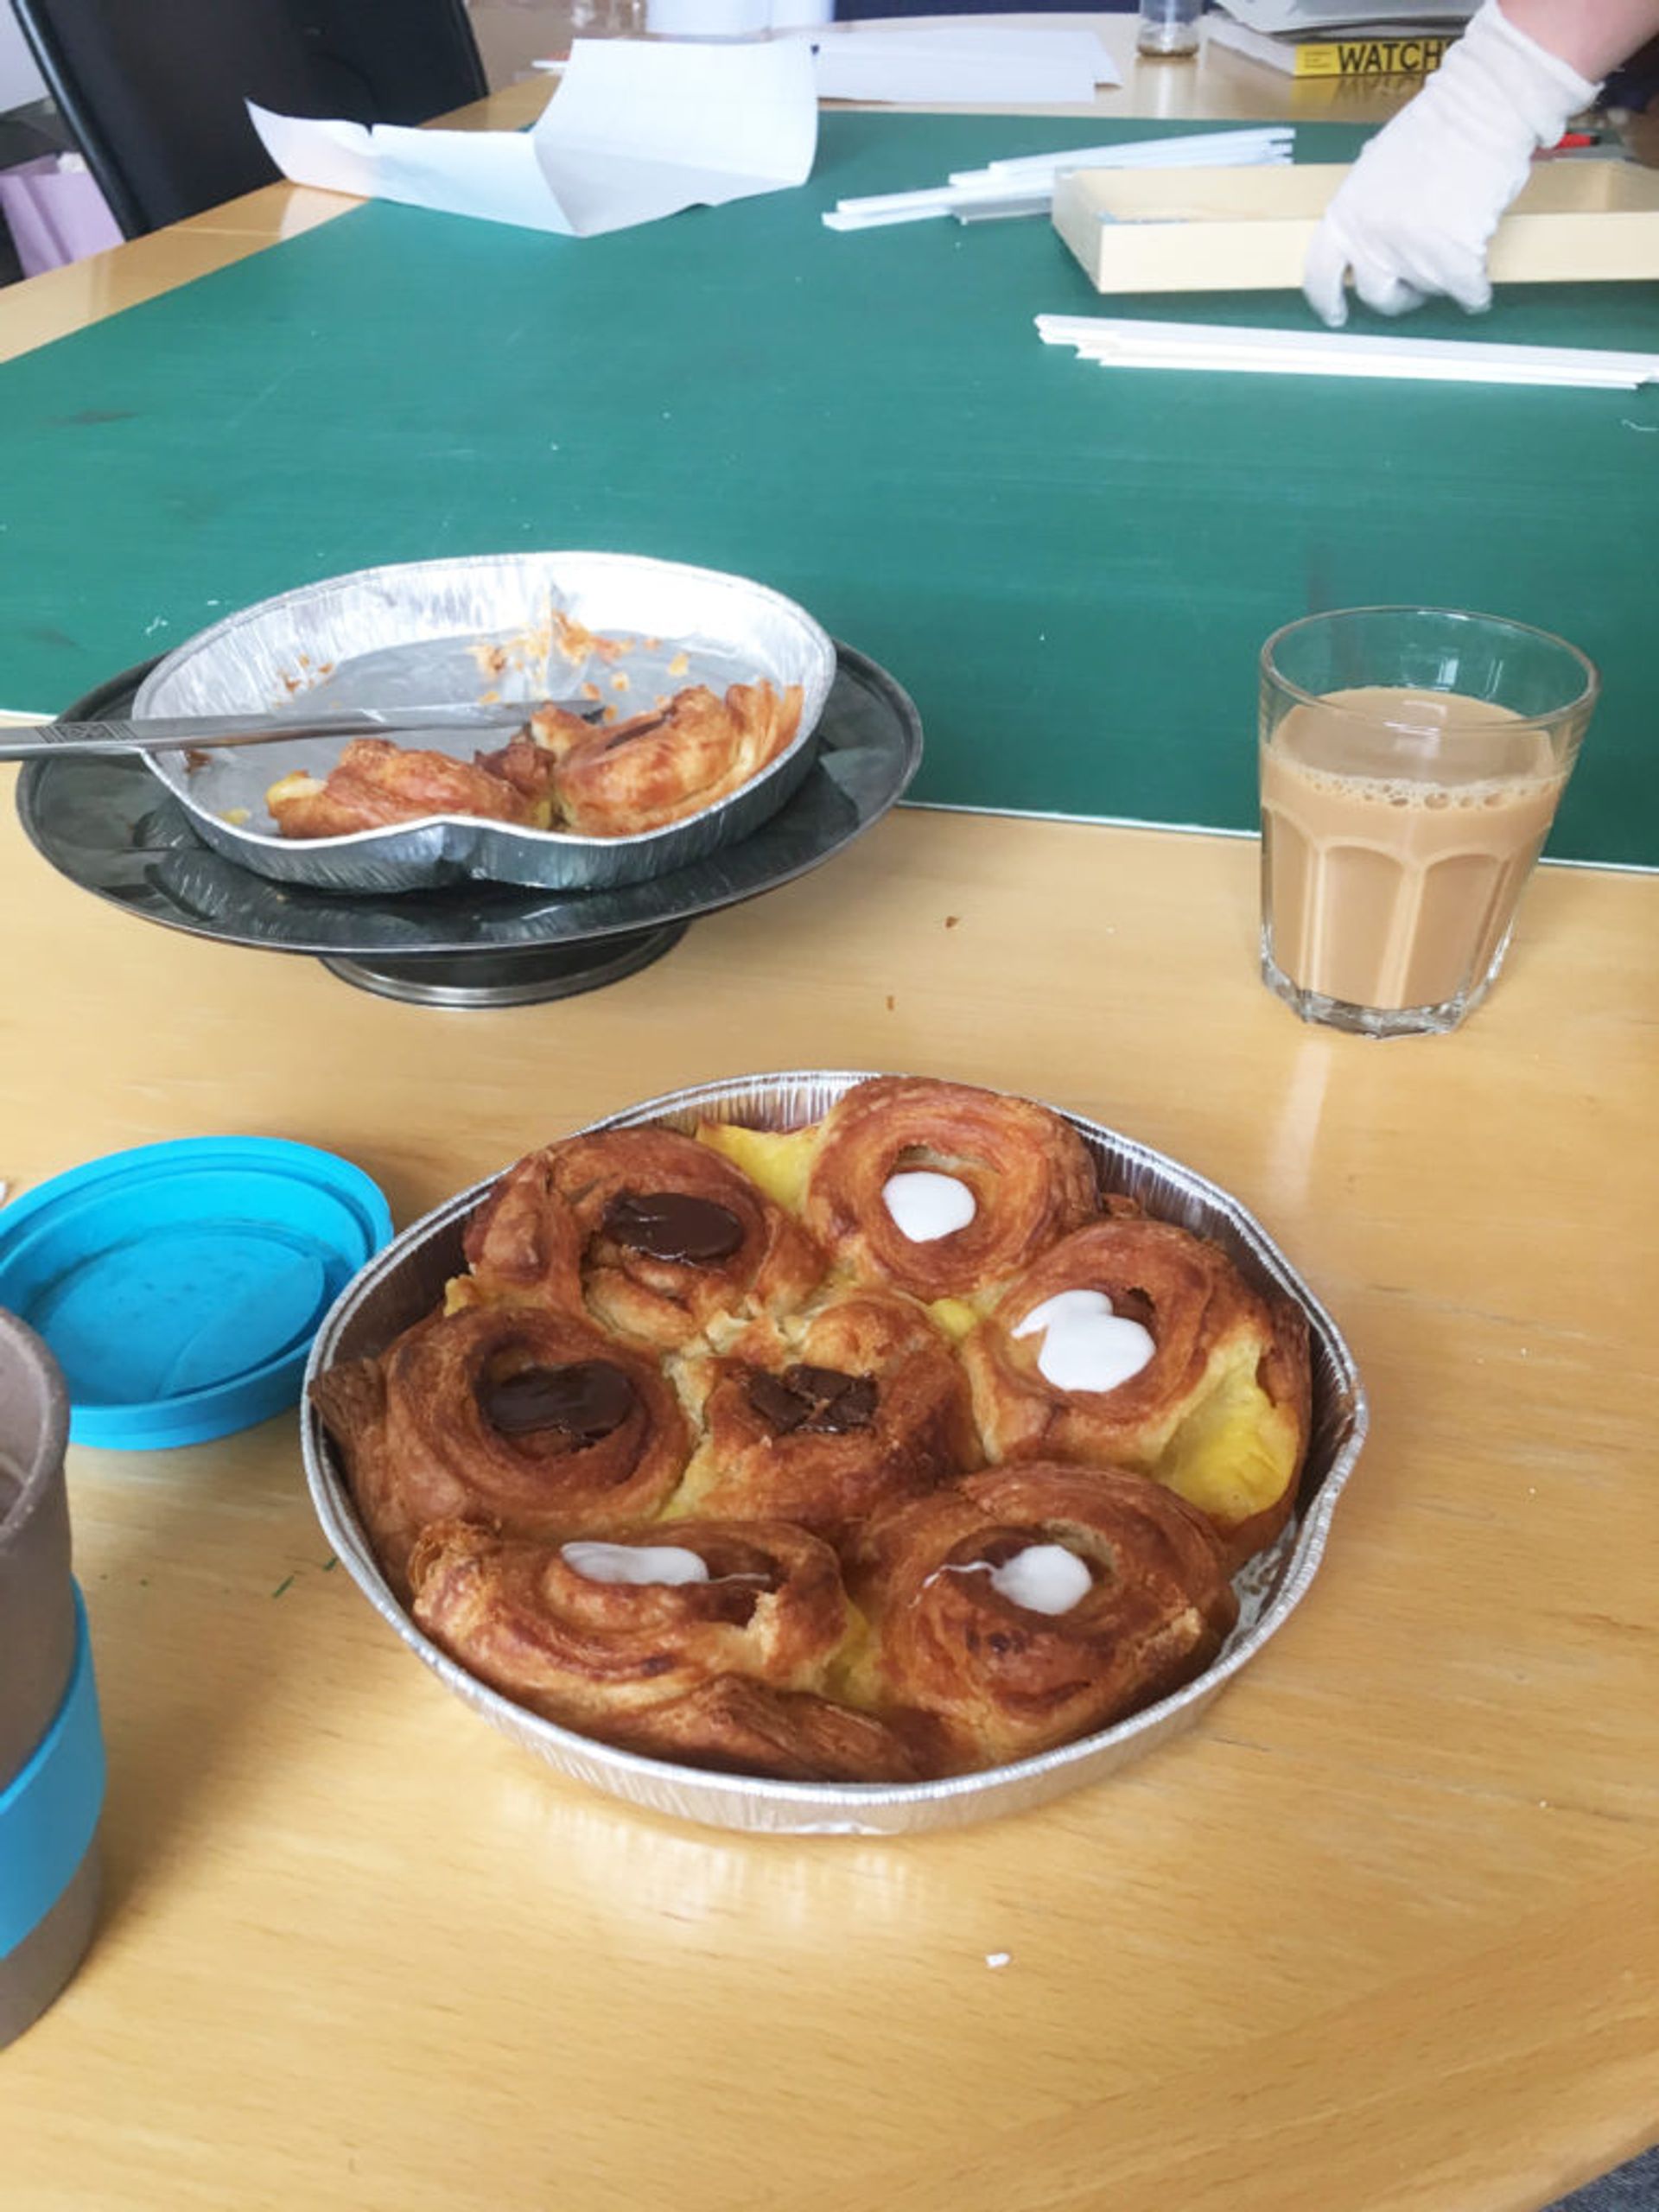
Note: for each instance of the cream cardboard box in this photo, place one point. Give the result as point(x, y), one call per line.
point(1247, 229)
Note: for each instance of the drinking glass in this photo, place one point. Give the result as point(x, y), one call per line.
point(1412, 760)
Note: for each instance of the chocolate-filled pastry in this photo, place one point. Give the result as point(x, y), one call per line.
point(376, 783)
point(704, 1640)
point(1135, 1344)
point(531, 1419)
point(1031, 1604)
point(941, 1189)
point(821, 1416)
point(659, 766)
point(651, 1234)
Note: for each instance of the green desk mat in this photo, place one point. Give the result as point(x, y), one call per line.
point(1071, 569)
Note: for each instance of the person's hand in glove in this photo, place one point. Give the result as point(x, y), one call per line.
point(1417, 211)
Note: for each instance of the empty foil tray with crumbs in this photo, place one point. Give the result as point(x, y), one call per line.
point(406, 1282)
point(507, 627)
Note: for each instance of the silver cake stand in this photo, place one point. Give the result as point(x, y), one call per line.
point(113, 828)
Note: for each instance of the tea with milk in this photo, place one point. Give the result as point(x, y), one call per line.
point(1391, 880)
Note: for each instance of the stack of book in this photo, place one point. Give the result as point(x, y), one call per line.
point(1341, 38)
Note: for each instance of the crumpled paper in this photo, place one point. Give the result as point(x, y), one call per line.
point(636, 129)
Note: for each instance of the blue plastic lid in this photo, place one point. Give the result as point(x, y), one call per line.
point(179, 1286)
point(48, 1811)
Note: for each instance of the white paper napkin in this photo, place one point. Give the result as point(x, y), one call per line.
point(636, 131)
point(962, 66)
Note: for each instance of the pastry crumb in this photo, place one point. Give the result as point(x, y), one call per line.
point(237, 817)
point(575, 641)
point(951, 920)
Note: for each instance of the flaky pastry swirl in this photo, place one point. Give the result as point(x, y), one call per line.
point(821, 1416)
point(728, 1671)
point(1007, 1680)
point(1029, 1173)
point(588, 1225)
point(377, 783)
point(1220, 1412)
point(531, 1418)
point(559, 772)
point(675, 759)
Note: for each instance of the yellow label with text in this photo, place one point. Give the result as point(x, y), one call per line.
point(1370, 57)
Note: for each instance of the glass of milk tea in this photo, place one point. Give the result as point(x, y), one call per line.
point(1412, 758)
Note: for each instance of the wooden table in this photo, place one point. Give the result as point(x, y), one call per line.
point(1378, 1935)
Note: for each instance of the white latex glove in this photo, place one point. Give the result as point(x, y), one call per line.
point(1417, 211)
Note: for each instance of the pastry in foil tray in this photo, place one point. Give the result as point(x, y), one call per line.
point(1031, 1604)
point(711, 1641)
point(653, 1235)
point(883, 1449)
point(376, 782)
point(560, 772)
point(1215, 1405)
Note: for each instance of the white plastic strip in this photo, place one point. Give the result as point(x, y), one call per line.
point(1129, 345)
point(1193, 149)
point(1025, 184)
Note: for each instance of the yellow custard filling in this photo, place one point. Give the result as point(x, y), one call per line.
point(955, 1316)
point(1235, 1453)
point(779, 1160)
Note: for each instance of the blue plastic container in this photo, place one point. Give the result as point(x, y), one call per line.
point(179, 1286)
point(49, 1809)
point(51, 1748)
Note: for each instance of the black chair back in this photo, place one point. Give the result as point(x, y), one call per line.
point(153, 89)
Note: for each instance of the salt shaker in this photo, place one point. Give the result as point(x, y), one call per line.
point(1169, 28)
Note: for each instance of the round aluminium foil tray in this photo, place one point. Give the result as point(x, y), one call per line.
point(406, 1282)
point(614, 629)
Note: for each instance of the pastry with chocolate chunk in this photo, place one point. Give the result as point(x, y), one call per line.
point(645, 1231)
point(820, 1416)
point(531, 1419)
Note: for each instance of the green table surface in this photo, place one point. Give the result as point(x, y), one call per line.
point(1071, 570)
